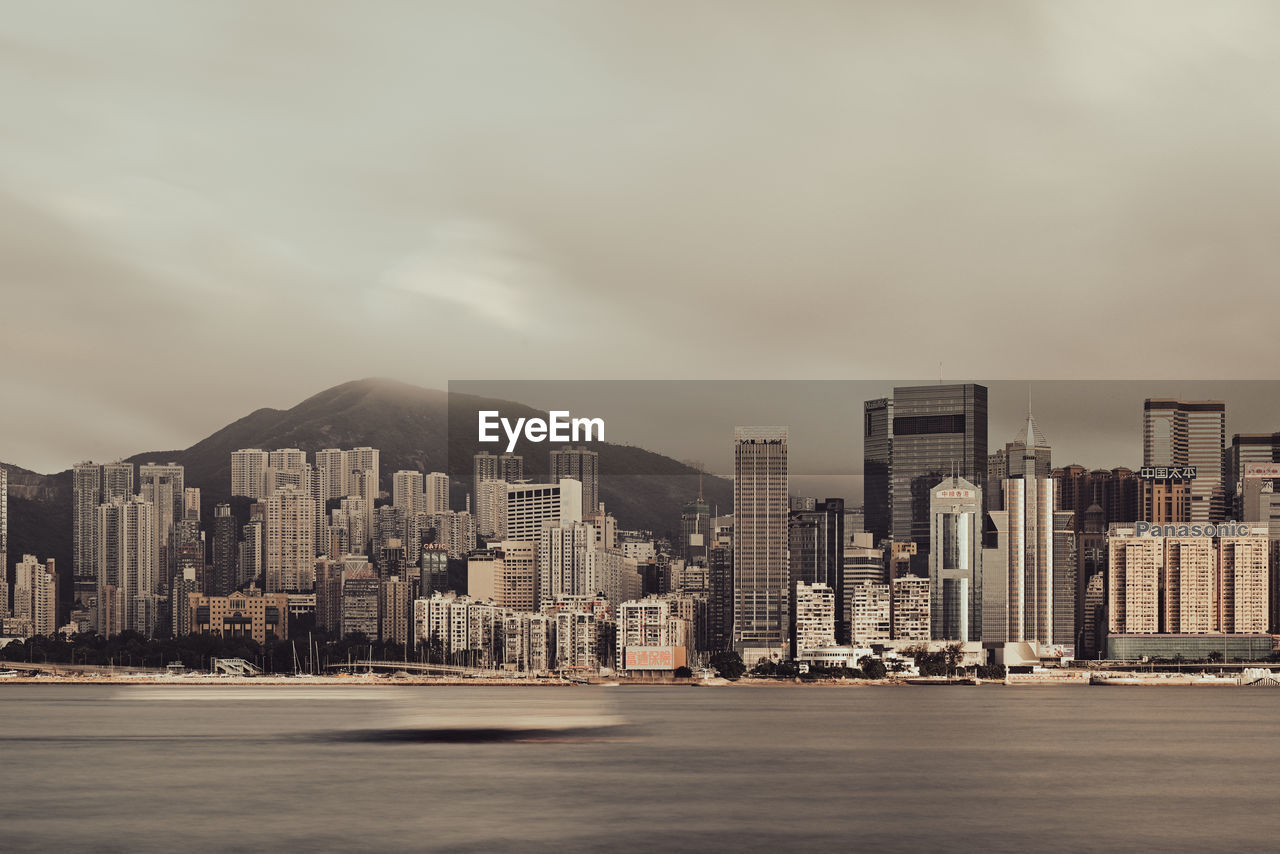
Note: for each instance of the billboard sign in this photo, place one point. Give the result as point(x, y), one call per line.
point(653, 657)
point(1261, 470)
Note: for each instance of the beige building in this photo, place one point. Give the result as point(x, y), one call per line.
point(248, 613)
point(1188, 579)
point(909, 608)
point(869, 609)
point(290, 541)
point(814, 621)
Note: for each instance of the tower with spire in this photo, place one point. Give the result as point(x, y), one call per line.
point(1028, 454)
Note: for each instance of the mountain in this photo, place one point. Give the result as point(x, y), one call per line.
point(414, 428)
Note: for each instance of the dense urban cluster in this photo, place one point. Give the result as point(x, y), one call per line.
point(960, 555)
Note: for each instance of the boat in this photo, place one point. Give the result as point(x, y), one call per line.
point(942, 680)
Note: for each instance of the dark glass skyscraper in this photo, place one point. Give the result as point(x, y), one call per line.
point(924, 434)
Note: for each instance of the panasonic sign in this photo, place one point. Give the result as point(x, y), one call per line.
point(1226, 529)
point(559, 426)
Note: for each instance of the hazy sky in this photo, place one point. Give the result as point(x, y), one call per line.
point(208, 208)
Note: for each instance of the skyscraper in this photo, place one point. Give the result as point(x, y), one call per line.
point(1041, 593)
point(582, 465)
point(1181, 433)
point(877, 447)
point(289, 546)
point(927, 433)
point(955, 562)
point(760, 565)
point(816, 549)
point(435, 493)
point(127, 566)
point(223, 576)
point(86, 495)
point(406, 490)
point(491, 467)
point(163, 486)
point(1028, 454)
point(247, 466)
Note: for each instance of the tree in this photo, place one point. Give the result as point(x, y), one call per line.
point(683, 672)
point(952, 655)
point(873, 668)
point(728, 664)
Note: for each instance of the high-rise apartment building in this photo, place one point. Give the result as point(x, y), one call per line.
point(813, 618)
point(869, 613)
point(490, 467)
point(163, 487)
point(582, 465)
point(288, 542)
point(1189, 583)
point(567, 561)
point(222, 578)
point(247, 468)
point(909, 608)
point(435, 493)
point(406, 491)
point(86, 495)
point(1177, 434)
point(127, 566)
point(760, 564)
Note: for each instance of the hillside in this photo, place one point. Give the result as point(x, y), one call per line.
point(413, 427)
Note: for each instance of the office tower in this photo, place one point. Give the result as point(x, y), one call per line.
point(434, 577)
point(813, 618)
point(938, 430)
point(955, 562)
point(855, 521)
point(816, 548)
point(406, 491)
point(1041, 564)
point(1253, 466)
point(877, 449)
point(185, 584)
point(249, 567)
point(582, 465)
point(508, 468)
point(163, 487)
point(995, 577)
point(760, 516)
point(288, 542)
point(566, 557)
point(127, 565)
point(909, 608)
point(191, 504)
point(435, 493)
point(695, 531)
point(1028, 454)
point(869, 609)
point(1181, 433)
point(86, 495)
point(222, 579)
point(247, 468)
point(484, 568)
point(529, 505)
point(720, 605)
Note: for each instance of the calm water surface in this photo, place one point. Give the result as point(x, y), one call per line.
point(143, 768)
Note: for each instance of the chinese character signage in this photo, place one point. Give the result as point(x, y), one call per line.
point(654, 657)
point(1177, 473)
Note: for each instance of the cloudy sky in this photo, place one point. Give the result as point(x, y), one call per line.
point(208, 208)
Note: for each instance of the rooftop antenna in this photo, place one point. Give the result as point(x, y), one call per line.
point(939, 372)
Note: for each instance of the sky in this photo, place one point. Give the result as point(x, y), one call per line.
point(210, 208)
